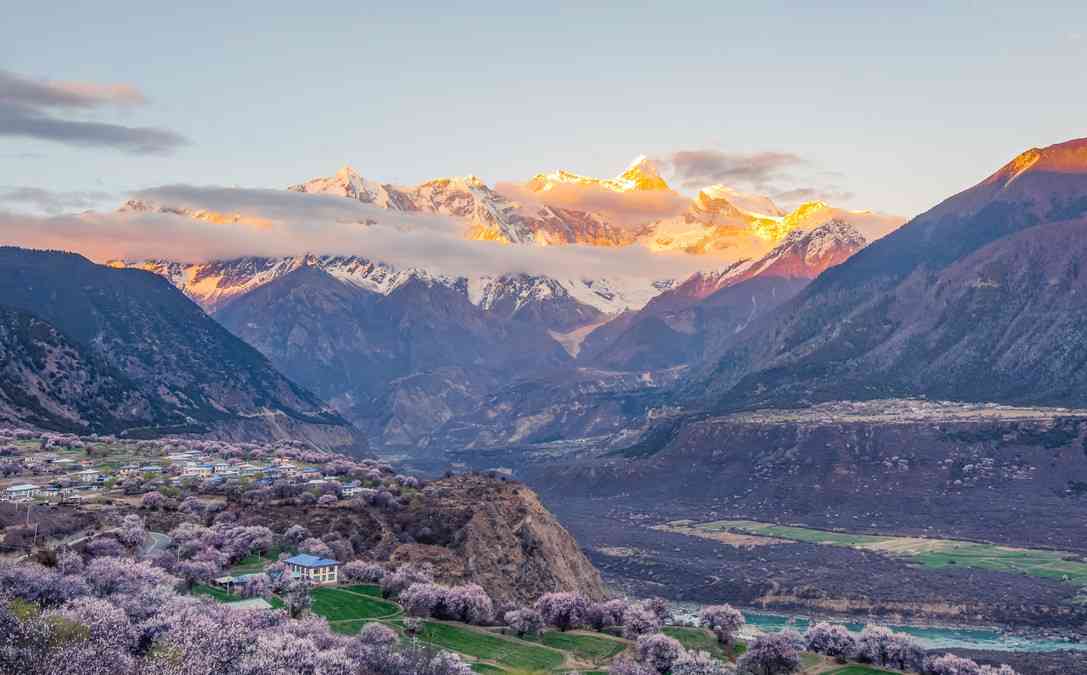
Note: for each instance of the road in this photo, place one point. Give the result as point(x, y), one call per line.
point(157, 541)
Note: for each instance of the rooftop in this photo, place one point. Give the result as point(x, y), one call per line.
point(307, 560)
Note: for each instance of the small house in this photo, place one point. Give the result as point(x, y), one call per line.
point(87, 475)
point(197, 470)
point(128, 470)
point(23, 492)
point(314, 569)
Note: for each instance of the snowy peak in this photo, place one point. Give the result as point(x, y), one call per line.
point(717, 198)
point(640, 176)
point(348, 183)
point(800, 255)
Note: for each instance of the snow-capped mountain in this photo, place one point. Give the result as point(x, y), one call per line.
point(800, 255)
point(641, 175)
point(486, 214)
point(675, 327)
point(215, 284)
point(727, 222)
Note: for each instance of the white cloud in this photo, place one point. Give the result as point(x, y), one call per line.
point(273, 223)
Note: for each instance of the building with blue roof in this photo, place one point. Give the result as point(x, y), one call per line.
point(313, 569)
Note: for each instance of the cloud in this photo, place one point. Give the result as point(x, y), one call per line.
point(696, 169)
point(53, 202)
point(625, 209)
point(274, 223)
point(27, 109)
point(809, 194)
point(786, 177)
point(18, 89)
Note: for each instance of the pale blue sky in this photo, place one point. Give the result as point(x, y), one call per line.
point(900, 107)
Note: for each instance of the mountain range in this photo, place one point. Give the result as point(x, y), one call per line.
point(974, 300)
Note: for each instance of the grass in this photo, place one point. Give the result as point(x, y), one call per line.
point(373, 590)
point(212, 592)
point(929, 553)
point(253, 563)
point(515, 654)
point(858, 670)
point(486, 668)
point(701, 640)
point(591, 648)
point(337, 604)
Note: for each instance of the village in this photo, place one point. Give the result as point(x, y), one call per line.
point(74, 475)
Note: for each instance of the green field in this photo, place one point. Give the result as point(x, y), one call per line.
point(479, 644)
point(859, 670)
point(932, 553)
point(697, 639)
point(253, 563)
point(337, 604)
point(373, 590)
point(213, 592)
point(587, 647)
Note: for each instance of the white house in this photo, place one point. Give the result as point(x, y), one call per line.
point(23, 492)
point(313, 569)
point(198, 470)
point(87, 475)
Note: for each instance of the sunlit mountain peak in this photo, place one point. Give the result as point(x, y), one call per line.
point(641, 174)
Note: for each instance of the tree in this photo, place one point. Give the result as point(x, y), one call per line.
point(701, 663)
point(153, 500)
point(627, 666)
point(256, 586)
point(661, 608)
point(770, 654)
point(832, 640)
point(295, 535)
point(639, 620)
point(326, 501)
point(601, 615)
point(469, 603)
point(315, 547)
point(658, 651)
point(131, 532)
point(950, 664)
point(297, 598)
point(525, 621)
point(724, 621)
point(422, 600)
point(404, 576)
point(194, 572)
point(562, 610)
point(360, 571)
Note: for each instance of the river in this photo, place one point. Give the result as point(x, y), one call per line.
point(930, 637)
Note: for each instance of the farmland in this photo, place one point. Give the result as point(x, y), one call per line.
point(925, 552)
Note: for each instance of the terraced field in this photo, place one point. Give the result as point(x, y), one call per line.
point(933, 553)
point(349, 608)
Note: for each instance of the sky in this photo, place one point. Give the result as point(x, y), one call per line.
point(883, 108)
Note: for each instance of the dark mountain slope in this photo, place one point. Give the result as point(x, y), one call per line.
point(961, 303)
point(707, 309)
point(399, 364)
point(185, 365)
point(48, 381)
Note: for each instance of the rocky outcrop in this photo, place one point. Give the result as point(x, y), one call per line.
point(509, 543)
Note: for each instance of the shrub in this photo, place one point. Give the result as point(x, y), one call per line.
point(724, 621)
point(525, 621)
point(563, 610)
point(770, 654)
point(658, 651)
